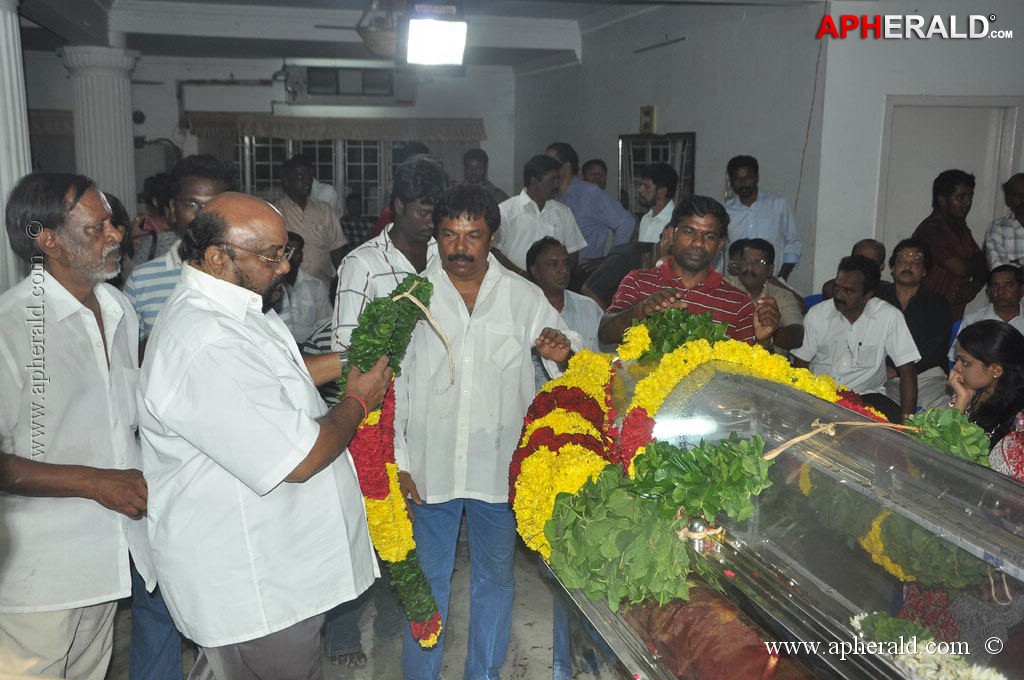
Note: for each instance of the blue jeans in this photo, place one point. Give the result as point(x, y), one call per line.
point(341, 627)
point(154, 650)
point(492, 542)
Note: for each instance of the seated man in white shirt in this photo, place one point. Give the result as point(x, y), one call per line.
point(308, 297)
point(849, 338)
point(454, 439)
point(533, 214)
point(1005, 289)
point(548, 264)
point(255, 515)
point(70, 497)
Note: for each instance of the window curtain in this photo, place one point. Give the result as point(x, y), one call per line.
point(232, 126)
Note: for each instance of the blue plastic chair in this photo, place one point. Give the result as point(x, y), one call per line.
point(952, 339)
point(812, 300)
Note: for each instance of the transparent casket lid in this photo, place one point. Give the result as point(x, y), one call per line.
point(867, 520)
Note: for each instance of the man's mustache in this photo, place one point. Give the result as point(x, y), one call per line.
point(455, 257)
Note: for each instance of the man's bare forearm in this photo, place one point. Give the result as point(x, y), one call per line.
point(337, 427)
point(24, 477)
point(614, 324)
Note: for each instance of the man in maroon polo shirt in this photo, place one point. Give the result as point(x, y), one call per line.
point(686, 280)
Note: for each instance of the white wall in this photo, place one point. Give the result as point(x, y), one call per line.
point(742, 80)
point(860, 73)
point(484, 92)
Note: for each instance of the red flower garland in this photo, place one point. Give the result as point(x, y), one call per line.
point(372, 447)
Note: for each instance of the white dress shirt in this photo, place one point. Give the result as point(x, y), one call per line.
point(770, 218)
point(227, 410)
point(456, 439)
point(62, 403)
point(522, 224)
point(652, 225)
point(370, 271)
point(310, 305)
point(986, 313)
point(854, 354)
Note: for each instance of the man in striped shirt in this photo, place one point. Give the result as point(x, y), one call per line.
point(374, 269)
point(686, 280)
point(197, 180)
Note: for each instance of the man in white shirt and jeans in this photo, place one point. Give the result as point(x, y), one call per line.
point(255, 514)
point(454, 437)
point(72, 497)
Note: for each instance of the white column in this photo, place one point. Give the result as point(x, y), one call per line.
point(15, 158)
point(104, 146)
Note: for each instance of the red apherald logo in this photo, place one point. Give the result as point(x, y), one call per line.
point(906, 26)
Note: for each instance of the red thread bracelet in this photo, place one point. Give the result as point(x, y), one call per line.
point(362, 403)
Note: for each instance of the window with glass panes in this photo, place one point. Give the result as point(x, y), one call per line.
point(362, 173)
point(637, 151)
point(260, 160)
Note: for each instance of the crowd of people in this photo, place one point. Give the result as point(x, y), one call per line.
point(181, 441)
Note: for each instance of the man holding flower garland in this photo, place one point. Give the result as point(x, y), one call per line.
point(686, 280)
point(456, 431)
point(236, 440)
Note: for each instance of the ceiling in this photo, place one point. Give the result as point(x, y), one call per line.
point(502, 32)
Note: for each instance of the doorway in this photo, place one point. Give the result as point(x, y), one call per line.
point(923, 136)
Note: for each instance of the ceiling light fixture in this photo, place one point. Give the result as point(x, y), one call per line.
point(436, 33)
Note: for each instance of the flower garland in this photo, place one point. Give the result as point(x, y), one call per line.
point(570, 429)
point(892, 541)
point(566, 435)
point(385, 327)
point(872, 542)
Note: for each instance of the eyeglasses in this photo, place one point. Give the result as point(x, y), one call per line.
point(189, 204)
point(286, 255)
point(754, 263)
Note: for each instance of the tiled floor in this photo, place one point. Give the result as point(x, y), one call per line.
point(529, 655)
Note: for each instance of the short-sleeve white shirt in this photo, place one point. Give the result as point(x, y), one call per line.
point(227, 409)
point(522, 224)
point(986, 313)
point(854, 354)
point(61, 403)
point(456, 438)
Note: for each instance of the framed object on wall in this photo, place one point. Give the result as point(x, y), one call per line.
point(647, 120)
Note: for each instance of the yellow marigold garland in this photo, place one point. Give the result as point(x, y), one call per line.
point(635, 341)
point(392, 538)
point(372, 418)
point(589, 371)
point(872, 542)
point(561, 422)
point(544, 475)
point(673, 367)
